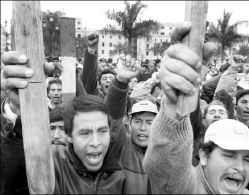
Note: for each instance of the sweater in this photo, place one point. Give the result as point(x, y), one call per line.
point(168, 158)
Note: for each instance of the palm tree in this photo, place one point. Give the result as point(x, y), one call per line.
point(120, 48)
point(129, 26)
point(159, 48)
point(225, 33)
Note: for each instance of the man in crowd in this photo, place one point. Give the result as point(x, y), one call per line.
point(57, 131)
point(242, 106)
point(57, 67)
point(54, 91)
point(224, 156)
point(93, 147)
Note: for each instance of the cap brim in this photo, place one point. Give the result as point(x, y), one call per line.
point(142, 111)
point(232, 144)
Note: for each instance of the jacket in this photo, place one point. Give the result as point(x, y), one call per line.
point(168, 160)
point(130, 155)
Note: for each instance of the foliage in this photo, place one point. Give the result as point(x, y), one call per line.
point(224, 32)
point(51, 35)
point(159, 48)
point(128, 24)
point(244, 50)
point(120, 48)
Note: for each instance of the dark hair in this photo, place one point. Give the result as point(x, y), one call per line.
point(55, 58)
point(106, 71)
point(208, 147)
point(57, 114)
point(240, 93)
point(53, 81)
point(154, 87)
point(83, 103)
point(214, 102)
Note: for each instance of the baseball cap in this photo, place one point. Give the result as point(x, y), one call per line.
point(228, 134)
point(144, 106)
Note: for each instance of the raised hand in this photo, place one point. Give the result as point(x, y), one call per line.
point(180, 66)
point(127, 68)
point(14, 75)
point(92, 41)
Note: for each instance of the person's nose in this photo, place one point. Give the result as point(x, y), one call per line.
point(95, 142)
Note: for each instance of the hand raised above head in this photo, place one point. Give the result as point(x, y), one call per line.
point(127, 68)
point(92, 40)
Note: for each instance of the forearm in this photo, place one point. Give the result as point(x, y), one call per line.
point(169, 154)
point(116, 99)
point(89, 73)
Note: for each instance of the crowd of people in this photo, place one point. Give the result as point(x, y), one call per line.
point(121, 133)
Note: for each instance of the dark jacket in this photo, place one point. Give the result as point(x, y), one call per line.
point(130, 155)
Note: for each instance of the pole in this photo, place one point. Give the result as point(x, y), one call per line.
point(196, 13)
point(28, 39)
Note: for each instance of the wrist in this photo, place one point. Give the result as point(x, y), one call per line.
point(122, 80)
point(91, 50)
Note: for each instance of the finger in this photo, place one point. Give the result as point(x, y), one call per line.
point(176, 81)
point(13, 83)
point(169, 92)
point(17, 71)
point(180, 31)
point(14, 57)
point(208, 50)
point(187, 55)
point(179, 67)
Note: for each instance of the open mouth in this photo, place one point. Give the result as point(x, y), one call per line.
point(142, 136)
point(234, 183)
point(95, 156)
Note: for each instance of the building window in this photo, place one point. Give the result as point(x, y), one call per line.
point(147, 53)
point(147, 39)
point(79, 35)
point(110, 44)
point(162, 27)
point(162, 33)
point(103, 36)
point(110, 36)
point(161, 40)
point(78, 22)
point(78, 28)
point(155, 40)
point(110, 52)
point(170, 28)
point(147, 46)
point(103, 44)
point(103, 52)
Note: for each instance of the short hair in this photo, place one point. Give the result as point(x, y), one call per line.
point(53, 81)
point(240, 93)
point(83, 103)
point(106, 71)
point(208, 147)
point(56, 114)
point(55, 58)
point(214, 102)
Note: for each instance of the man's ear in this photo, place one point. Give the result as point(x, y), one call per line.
point(203, 157)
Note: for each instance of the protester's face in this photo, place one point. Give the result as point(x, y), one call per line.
point(215, 113)
point(227, 171)
point(56, 63)
point(57, 133)
point(105, 81)
point(103, 65)
point(55, 93)
point(132, 83)
point(91, 138)
point(140, 128)
point(243, 108)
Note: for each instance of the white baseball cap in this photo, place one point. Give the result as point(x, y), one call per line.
point(228, 134)
point(144, 106)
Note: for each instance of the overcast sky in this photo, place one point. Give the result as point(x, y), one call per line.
point(93, 12)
